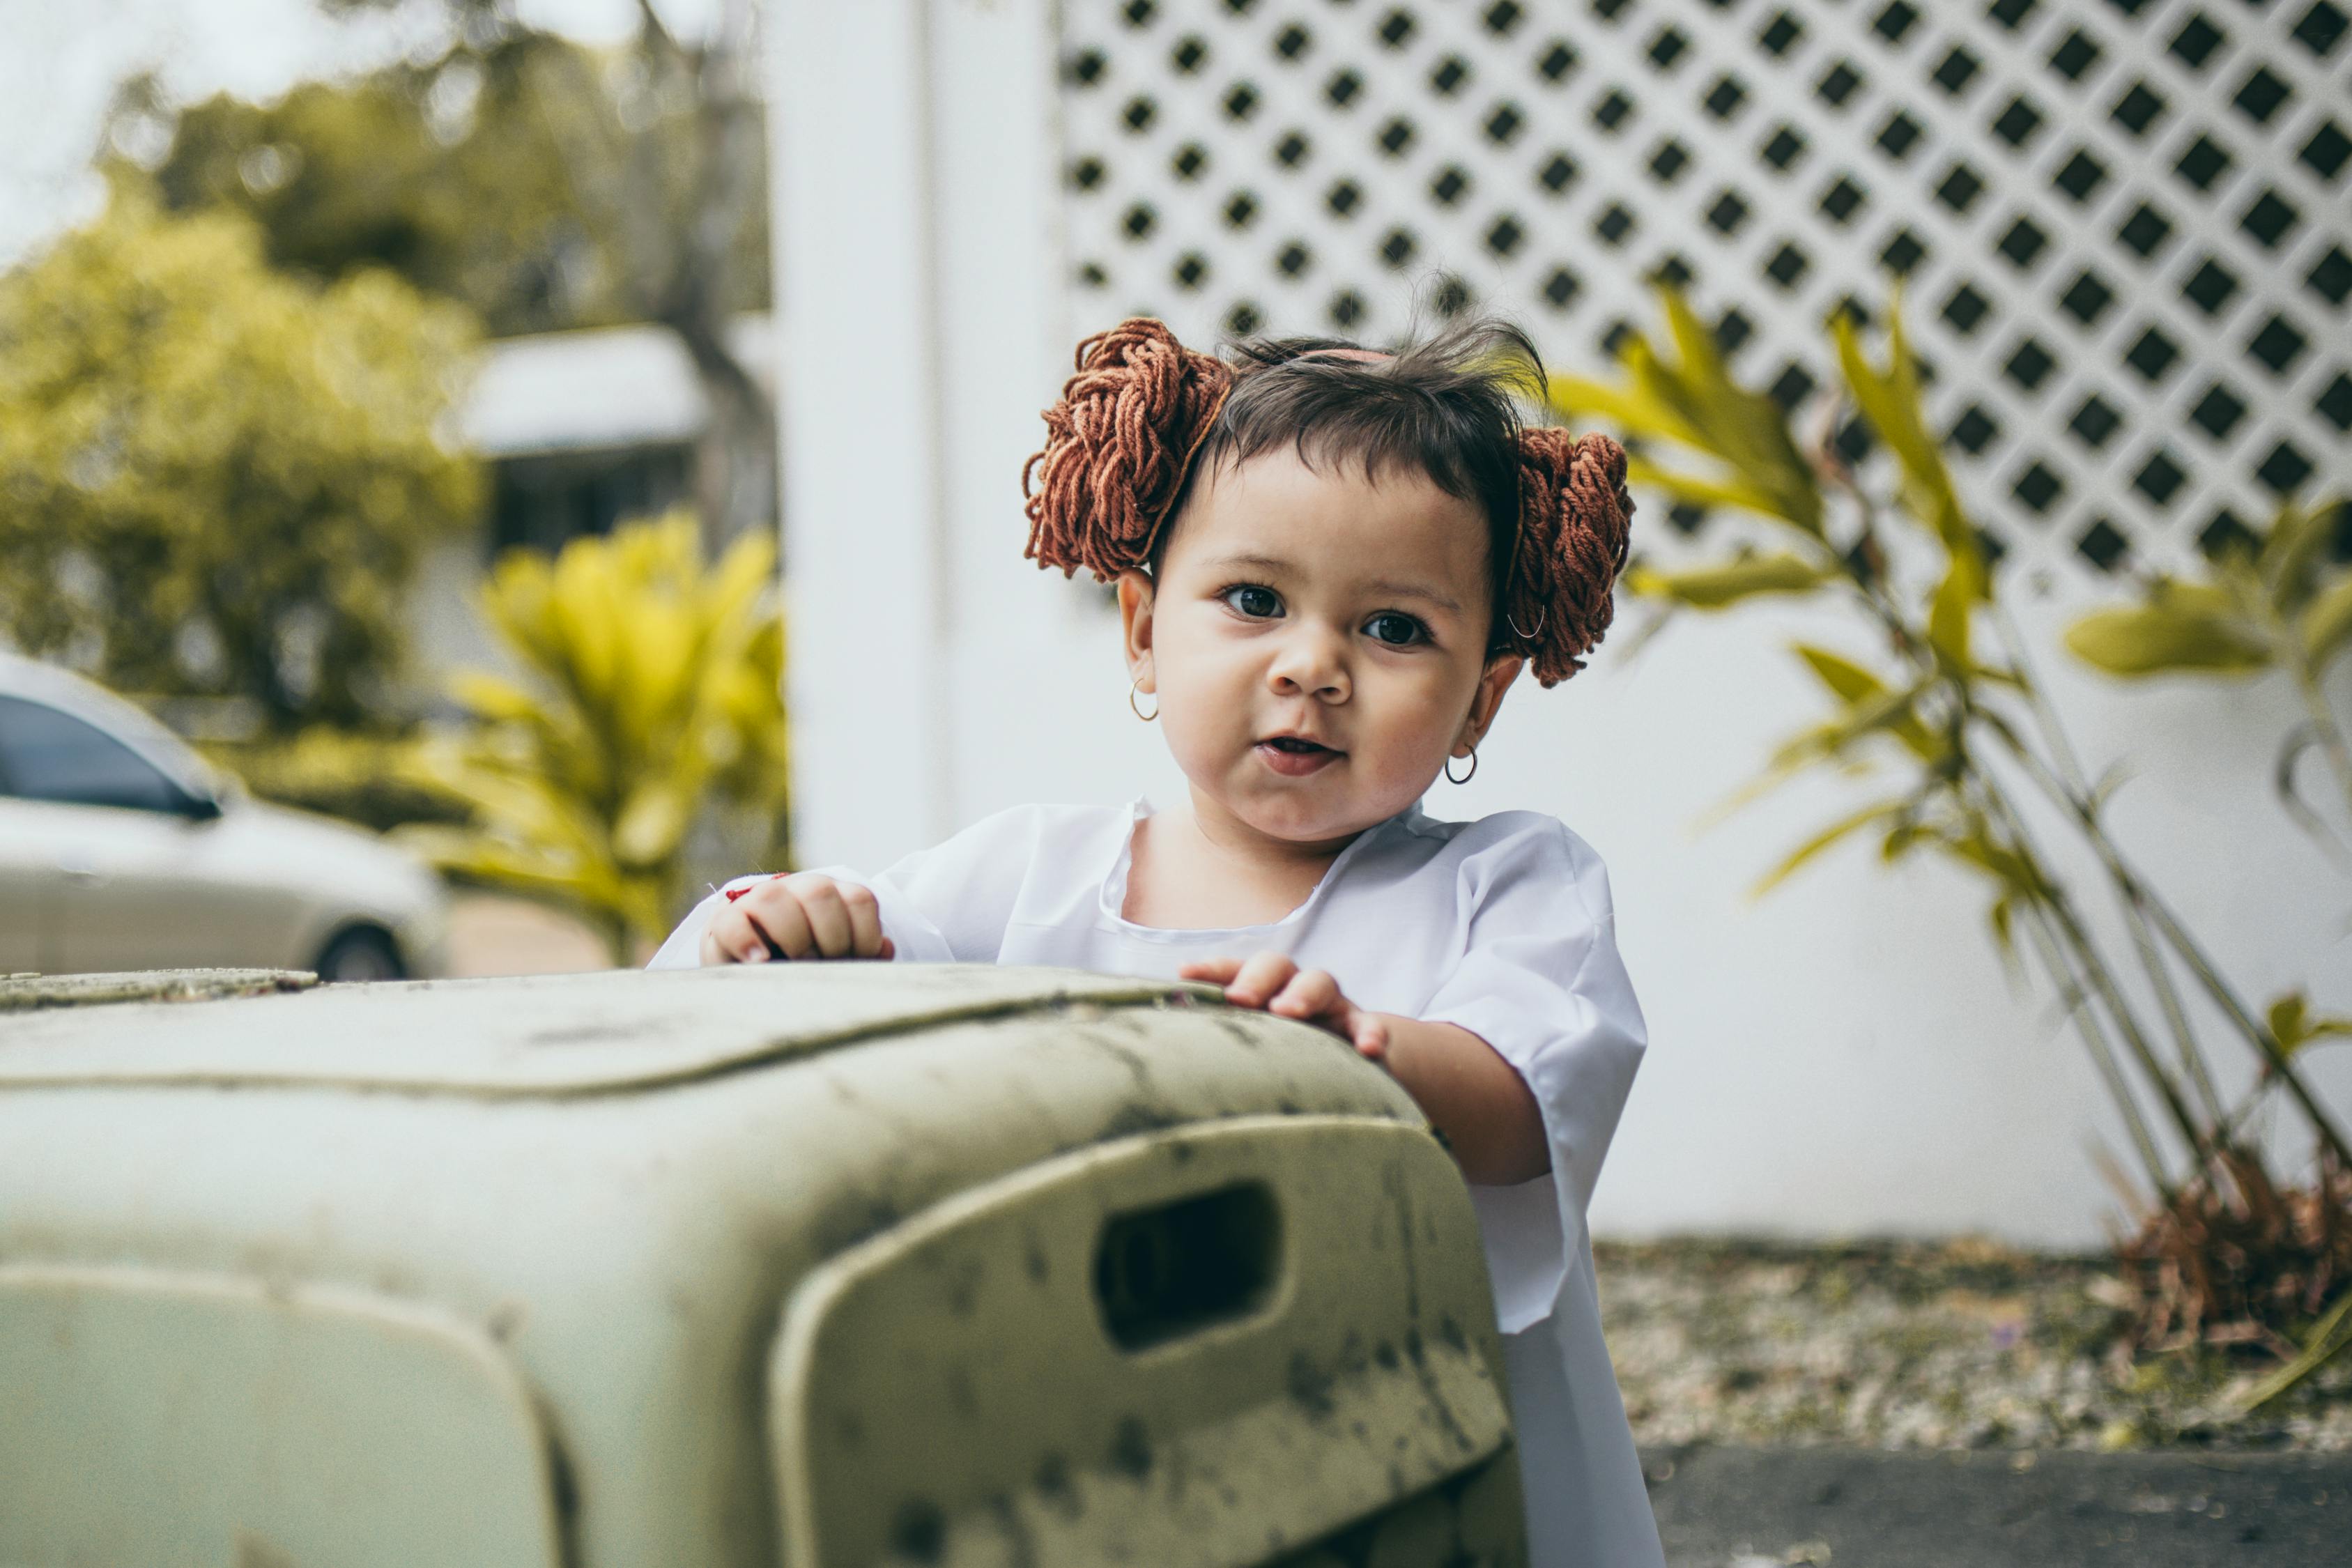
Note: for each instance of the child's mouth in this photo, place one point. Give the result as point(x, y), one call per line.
point(1294, 758)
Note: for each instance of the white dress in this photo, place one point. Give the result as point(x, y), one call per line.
point(1502, 926)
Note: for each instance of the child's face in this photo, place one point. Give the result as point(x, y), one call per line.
point(1318, 642)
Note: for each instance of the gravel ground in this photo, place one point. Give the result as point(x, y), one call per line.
point(1892, 1346)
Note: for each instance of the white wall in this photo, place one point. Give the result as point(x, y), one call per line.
point(1846, 1056)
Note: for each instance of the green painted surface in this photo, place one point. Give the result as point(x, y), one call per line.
point(609, 1188)
point(945, 1391)
point(172, 1418)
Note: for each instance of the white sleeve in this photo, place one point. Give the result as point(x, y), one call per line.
point(949, 904)
point(1540, 981)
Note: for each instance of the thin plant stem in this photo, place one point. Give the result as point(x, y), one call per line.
point(2324, 727)
point(2287, 647)
point(2095, 970)
point(2275, 1061)
point(2068, 772)
point(2139, 898)
point(2046, 896)
point(2075, 999)
point(2274, 1057)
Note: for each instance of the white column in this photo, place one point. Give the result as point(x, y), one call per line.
point(936, 675)
point(854, 248)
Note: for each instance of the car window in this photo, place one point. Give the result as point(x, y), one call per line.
point(48, 755)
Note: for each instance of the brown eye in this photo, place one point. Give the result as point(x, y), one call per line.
point(1395, 629)
point(1258, 603)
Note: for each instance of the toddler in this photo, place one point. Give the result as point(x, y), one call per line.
point(1331, 565)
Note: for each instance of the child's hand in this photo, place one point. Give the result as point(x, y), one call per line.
point(1273, 981)
point(801, 916)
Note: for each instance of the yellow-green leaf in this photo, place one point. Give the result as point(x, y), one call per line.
point(1692, 402)
point(1633, 412)
point(1736, 493)
point(1713, 587)
point(1952, 609)
point(491, 697)
point(2294, 1025)
point(2326, 625)
point(1836, 832)
point(2003, 918)
point(2016, 874)
point(1851, 682)
point(2330, 1338)
point(2294, 554)
point(1891, 402)
point(650, 826)
point(2182, 627)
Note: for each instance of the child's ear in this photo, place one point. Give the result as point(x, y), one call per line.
point(1487, 701)
point(1135, 606)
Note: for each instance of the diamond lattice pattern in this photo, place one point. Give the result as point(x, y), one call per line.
point(2122, 227)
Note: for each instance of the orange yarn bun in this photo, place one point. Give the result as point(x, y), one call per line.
point(1574, 520)
point(1118, 446)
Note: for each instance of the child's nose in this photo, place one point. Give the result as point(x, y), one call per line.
point(1311, 661)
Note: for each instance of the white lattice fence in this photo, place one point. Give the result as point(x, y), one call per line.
point(2122, 227)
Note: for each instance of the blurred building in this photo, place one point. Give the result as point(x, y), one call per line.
point(581, 430)
point(2122, 231)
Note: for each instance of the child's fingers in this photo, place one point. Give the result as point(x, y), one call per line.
point(831, 935)
point(1370, 1034)
point(1260, 979)
point(889, 949)
point(1310, 994)
point(866, 938)
point(775, 913)
point(1218, 971)
point(733, 938)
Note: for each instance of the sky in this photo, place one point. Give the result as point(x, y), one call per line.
point(61, 63)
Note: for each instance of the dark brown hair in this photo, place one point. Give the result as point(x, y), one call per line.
point(1144, 415)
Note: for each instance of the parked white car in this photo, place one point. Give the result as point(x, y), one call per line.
point(121, 850)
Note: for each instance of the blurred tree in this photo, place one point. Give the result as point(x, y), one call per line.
point(547, 185)
point(217, 479)
point(653, 707)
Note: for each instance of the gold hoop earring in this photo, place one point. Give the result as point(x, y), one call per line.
point(1137, 708)
point(1466, 778)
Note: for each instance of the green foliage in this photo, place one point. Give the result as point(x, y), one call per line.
point(1718, 587)
point(2292, 1020)
point(216, 479)
point(2181, 626)
point(362, 776)
point(1958, 730)
point(1692, 402)
point(2284, 603)
point(654, 700)
point(511, 176)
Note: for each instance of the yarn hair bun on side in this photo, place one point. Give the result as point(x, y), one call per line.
point(1118, 446)
point(1575, 520)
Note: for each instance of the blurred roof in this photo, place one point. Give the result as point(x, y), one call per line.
point(609, 388)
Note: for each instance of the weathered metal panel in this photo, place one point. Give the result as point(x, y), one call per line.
point(156, 1418)
point(617, 1182)
point(955, 1390)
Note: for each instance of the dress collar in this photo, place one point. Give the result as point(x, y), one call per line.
point(1112, 897)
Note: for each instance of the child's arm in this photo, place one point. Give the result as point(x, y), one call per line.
point(948, 904)
point(1474, 1099)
